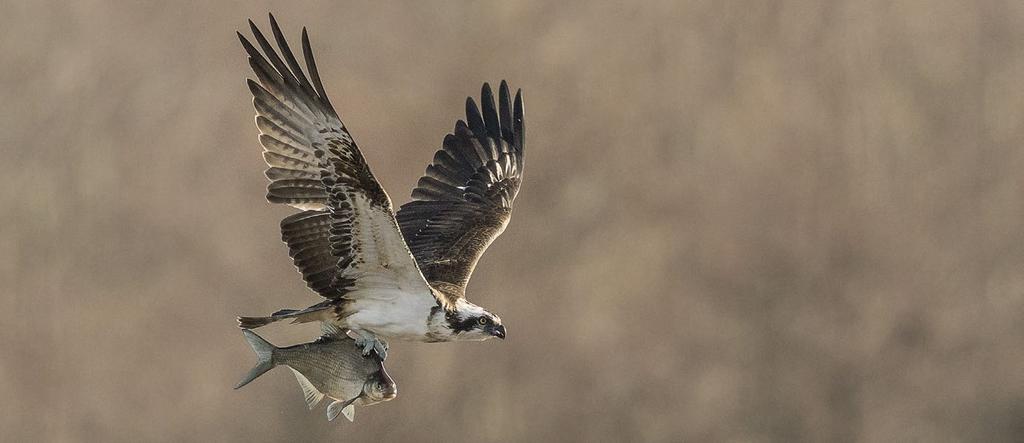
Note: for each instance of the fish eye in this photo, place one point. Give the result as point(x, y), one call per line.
point(483, 321)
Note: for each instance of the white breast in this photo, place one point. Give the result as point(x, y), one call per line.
point(390, 313)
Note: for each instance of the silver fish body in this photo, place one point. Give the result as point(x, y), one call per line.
point(332, 366)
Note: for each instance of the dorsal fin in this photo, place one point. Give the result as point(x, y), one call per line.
point(331, 330)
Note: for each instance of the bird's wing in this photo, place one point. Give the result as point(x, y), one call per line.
point(346, 238)
point(464, 200)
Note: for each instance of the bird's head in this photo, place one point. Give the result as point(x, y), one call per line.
point(471, 322)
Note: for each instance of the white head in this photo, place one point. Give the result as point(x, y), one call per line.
point(466, 322)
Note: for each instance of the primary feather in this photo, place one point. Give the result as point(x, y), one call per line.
point(464, 199)
point(346, 238)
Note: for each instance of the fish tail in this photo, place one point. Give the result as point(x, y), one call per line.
point(264, 357)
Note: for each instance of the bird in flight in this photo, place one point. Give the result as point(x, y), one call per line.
point(384, 275)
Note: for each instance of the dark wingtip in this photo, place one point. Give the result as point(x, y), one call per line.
point(505, 112)
point(273, 24)
point(256, 33)
point(486, 95)
point(314, 75)
point(289, 56)
point(473, 117)
point(519, 130)
point(249, 48)
point(492, 120)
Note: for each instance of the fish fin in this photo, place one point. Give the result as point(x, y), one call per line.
point(342, 407)
point(331, 330)
point(334, 409)
point(313, 395)
point(264, 357)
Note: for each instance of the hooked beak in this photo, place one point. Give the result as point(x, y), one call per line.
point(498, 331)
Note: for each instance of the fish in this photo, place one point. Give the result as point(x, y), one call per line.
point(331, 366)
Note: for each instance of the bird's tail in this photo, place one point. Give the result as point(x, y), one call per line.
point(318, 312)
point(255, 322)
point(264, 357)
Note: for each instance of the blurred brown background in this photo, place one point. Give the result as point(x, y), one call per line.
point(742, 221)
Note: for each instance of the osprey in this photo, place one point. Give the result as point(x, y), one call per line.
point(384, 275)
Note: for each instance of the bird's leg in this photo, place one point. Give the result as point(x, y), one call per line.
point(381, 347)
point(370, 342)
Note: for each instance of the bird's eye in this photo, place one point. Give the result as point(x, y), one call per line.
point(483, 320)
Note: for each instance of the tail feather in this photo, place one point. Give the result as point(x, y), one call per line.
point(264, 357)
point(316, 312)
point(255, 322)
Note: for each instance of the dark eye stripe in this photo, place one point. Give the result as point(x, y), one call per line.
point(463, 325)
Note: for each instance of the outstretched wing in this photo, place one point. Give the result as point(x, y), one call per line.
point(346, 238)
point(464, 200)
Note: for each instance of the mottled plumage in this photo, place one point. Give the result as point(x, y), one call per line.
point(383, 277)
point(464, 199)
